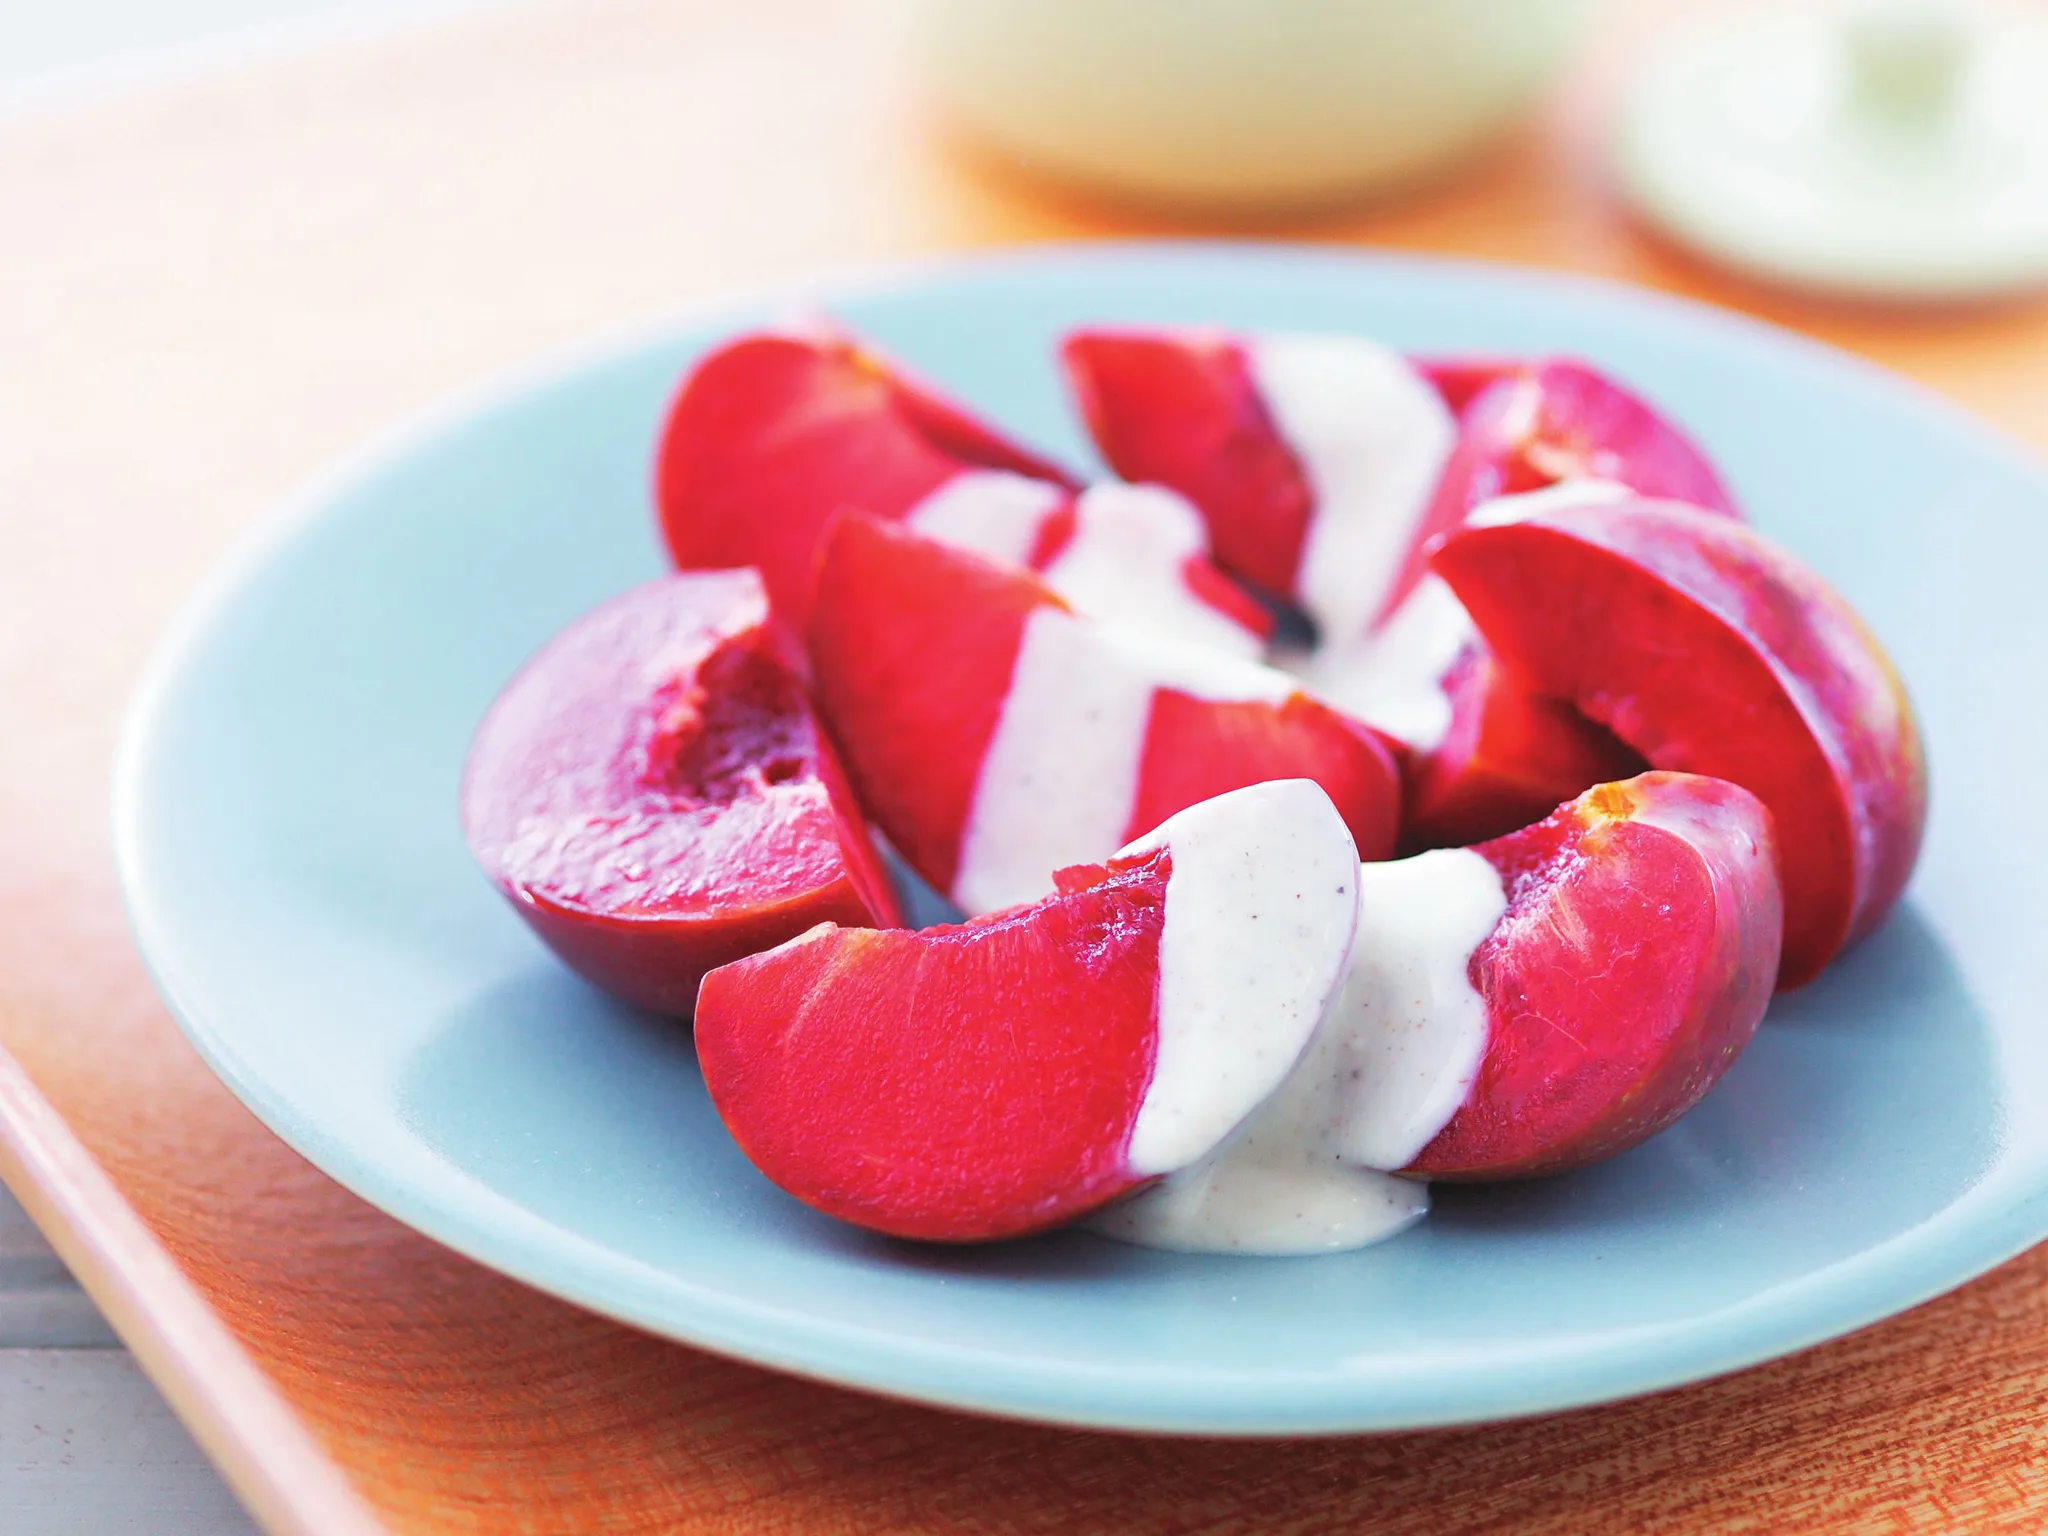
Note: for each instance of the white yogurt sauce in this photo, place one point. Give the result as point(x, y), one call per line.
point(1400, 1049)
point(1392, 678)
point(1241, 1205)
point(1126, 563)
point(1371, 435)
point(992, 512)
point(1060, 776)
point(1387, 1068)
point(1261, 910)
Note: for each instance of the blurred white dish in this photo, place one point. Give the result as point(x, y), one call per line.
point(1893, 149)
point(1241, 105)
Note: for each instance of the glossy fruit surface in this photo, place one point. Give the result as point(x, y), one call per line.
point(915, 646)
point(912, 645)
point(772, 433)
point(1543, 424)
point(1196, 748)
point(1180, 407)
point(1635, 959)
point(967, 1082)
point(1710, 650)
point(1525, 428)
point(1510, 756)
point(1010, 1073)
point(653, 796)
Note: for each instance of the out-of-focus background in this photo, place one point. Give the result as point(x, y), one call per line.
point(47, 50)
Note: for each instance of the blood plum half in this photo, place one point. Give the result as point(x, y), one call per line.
point(1528, 1006)
point(652, 794)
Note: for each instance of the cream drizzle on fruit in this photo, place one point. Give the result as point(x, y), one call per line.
point(1125, 563)
point(1391, 1061)
point(1237, 1204)
point(1372, 436)
point(1060, 776)
point(1392, 676)
point(993, 512)
point(1261, 909)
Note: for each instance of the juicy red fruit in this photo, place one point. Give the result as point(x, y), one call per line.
point(773, 433)
point(1180, 408)
point(1542, 424)
point(653, 796)
point(934, 1084)
point(1526, 428)
point(1509, 757)
point(1709, 650)
point(1196, 749)
point(1636, 957)
point(1008, 1074)
point(913, 646)
point(1565, 420)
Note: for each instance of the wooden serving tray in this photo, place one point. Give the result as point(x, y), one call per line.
point(212, 289)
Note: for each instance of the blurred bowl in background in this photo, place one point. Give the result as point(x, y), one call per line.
point(1238, 106)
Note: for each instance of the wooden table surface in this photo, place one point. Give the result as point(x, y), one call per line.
point(208, 291)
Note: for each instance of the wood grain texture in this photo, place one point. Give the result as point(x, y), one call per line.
point(209, 292)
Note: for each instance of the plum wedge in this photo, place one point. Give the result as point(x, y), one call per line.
point(652, 794)
point(1507, 756)
point(995, 735)
point(1632, 962)
point(1312, 456)
point(1708, 649)
point(1525, 1007)
point(1326, 464)
point(1561, 423)
point(772, 433)
point(1010, 1074)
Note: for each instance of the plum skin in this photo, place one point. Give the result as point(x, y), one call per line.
point(1024, 1128)
point(1710, 650)
point(1636, 958)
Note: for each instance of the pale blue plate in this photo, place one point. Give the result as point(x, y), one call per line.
point(287, 833)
